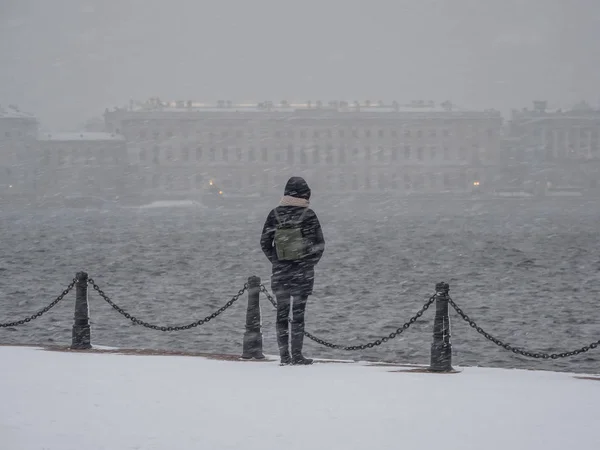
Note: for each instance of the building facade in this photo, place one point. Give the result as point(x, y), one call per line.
point(339, 147)
point(18, 134)
point(554, 147)
point(79, 164)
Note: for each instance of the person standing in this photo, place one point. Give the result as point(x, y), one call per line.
point(292, 240)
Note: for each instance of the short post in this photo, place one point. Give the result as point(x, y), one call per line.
point(81, 327)
point(441, 349)
point(253, 341)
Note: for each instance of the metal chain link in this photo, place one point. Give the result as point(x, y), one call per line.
point(361, 346)
point(42, 311)
point(167, 328)
point(516, 350)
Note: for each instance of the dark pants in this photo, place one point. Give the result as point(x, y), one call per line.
point(283, 313)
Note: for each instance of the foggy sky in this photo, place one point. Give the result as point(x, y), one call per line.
point(67, 60)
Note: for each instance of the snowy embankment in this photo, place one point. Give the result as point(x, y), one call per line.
point(73, 401)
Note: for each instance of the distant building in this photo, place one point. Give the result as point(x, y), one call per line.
point(87, 163)
point(18, 133)
point(340, 147)
point(558, 147)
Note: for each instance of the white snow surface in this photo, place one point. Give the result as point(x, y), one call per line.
point(94, 401)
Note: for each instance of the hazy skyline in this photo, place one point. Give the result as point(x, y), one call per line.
point(68, 60)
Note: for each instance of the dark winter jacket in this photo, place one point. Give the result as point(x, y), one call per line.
point(296, 276)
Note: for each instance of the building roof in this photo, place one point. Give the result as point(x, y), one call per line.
point(13, 112)
point(304, 108)
point(83, 136)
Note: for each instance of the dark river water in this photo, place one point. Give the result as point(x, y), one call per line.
point(528, 271)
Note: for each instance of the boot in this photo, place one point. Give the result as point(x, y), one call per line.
point(283, 337)
point(297, 341)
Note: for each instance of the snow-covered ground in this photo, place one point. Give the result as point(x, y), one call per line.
point(90, 401)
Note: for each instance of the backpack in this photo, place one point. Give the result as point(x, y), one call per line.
point(290, 245)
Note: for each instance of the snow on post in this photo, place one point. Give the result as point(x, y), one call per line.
point(252, 346)
point(441, 349)
point(81, 326)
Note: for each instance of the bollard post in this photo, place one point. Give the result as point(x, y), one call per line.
point(441, 349)
point(253, 341)
point(81, 327)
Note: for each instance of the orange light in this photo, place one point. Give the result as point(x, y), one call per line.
point(220, 192)
point(210, 182)
point(475, 183)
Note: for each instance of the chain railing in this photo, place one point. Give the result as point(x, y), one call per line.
point(516, 350)
point(42, 311)
point(197, 323)
point(372, 344)
point(441, 353)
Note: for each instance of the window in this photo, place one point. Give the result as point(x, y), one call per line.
point(419, 133)
point(238, 154)
point(7, 134)
point(143, 133)
point(432, 133)
point(380, 154)
point(446, 153)
point(341, 133)
point(239, 133)
point(225, 154)
point(407, 152)
point(367, 153)
point(355, 133)
point(368, 133)
point(290, 134)
point(185, 154)
point(342, 182)
point(198, 181)
point(316, 154)
point(169, 134)
point(212, 155)
point(462, 153)
point(170, 154)
point(155, 181)
point(407, 133)
point(303, 133)
point(395, 152)
point(420, 153)
point(446, 181)
point(490, 133)
point(251, 154)
point(224, 133)
point(446, 133)
point(142, 155)
point(198, 153)
point(278, 133)
point(303, 156)
point(432, 181)
point(433, 152)
point(265, 154)
point(380, 133)
point(290, 154)
point(329, 134)
point(394, 133)
point(342, 155)
point(316, 133)
point(329, 154)
point(170, 182)
point(155, 154)
point(156, 135)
